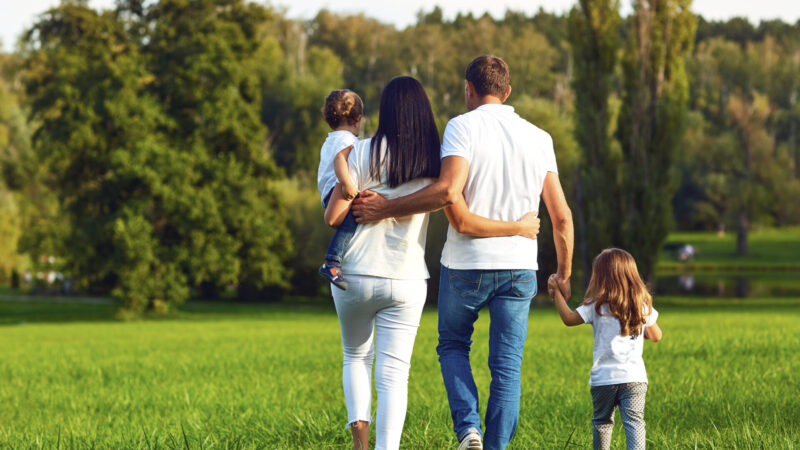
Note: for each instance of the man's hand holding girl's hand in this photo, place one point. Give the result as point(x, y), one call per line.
point(555, 283)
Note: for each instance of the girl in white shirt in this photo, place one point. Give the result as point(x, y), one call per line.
point(621, 312)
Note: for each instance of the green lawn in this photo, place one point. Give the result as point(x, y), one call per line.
point(771, 249)
point(725, 376)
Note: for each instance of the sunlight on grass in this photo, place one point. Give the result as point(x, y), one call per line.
point(270, 377)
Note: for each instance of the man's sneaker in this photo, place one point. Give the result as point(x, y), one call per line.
point(333, 273)
point(472, 441)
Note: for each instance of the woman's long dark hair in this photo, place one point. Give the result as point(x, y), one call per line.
point(412, 140)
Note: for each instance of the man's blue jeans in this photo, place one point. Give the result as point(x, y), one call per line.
point(507, 294)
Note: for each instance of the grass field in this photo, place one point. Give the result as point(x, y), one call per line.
point(725, 376)
point(770, 249)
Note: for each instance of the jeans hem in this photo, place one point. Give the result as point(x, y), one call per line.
point(334, 258)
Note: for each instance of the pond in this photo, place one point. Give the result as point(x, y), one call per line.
point(721, 284)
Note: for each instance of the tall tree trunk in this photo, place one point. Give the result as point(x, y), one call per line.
point(793, 117)
point(594, 39)
point(651, 122)
point(580, 213)
point(744, 140)
point(741, 234)
point(793, 133)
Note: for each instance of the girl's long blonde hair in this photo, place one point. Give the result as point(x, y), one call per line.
point(616, 283)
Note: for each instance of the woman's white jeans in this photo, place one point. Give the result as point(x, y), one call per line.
point(392, 308)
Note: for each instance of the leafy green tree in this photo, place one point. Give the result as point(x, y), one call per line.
point(203, 55)
point(593, 33)
point(755, 158)
point(736, 29)
point(367, 48)
point(155, 148)
point(15, 162)
point(651, 122)
point(738, 172)
point(96, 138)
point(295, 78)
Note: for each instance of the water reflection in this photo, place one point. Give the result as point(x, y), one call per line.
point(741, 285)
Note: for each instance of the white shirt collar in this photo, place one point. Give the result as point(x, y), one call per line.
point(495, 107)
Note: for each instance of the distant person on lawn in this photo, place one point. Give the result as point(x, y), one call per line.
point(497, 165)
point(385, 261)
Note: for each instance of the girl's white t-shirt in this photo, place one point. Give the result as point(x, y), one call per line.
point(616, 359)
point(391, 248)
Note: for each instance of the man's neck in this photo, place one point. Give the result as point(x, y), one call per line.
point(487, 100)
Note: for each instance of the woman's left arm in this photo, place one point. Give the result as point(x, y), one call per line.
point(337, 208)
point(465, 222)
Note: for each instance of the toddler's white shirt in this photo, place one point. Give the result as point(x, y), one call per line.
point(616, 359)
point(336, 142)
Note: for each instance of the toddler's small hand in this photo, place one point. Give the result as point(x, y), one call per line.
point(349, 191)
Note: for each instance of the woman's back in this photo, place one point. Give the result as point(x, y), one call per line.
point(394, 247)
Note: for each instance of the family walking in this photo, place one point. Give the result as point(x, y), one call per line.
point(489, 172)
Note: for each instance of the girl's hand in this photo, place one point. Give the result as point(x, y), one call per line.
point(349, 191)
point(568, 316)
point(552, 285)
point(530, 225)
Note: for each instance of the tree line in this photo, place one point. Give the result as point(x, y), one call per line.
point(167, 150)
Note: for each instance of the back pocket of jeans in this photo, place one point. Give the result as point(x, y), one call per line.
point(465, 282)
point(523, 283)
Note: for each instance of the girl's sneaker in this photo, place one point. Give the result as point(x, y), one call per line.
point(332, 271)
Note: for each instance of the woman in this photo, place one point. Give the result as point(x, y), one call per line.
point(385, 262)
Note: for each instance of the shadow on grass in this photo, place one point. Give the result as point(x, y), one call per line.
point(21, 309)
point(18, 309)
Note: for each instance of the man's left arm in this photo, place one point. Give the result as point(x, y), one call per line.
point(465, 222)
point(563, 232)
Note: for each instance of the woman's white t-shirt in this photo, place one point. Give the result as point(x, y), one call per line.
point(616, 359)
point(391, 248)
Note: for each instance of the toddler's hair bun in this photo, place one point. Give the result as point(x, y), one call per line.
point(342, 106)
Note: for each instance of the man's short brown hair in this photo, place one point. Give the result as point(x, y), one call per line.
point(489, 75)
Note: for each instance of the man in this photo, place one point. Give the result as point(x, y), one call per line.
point(500, 165)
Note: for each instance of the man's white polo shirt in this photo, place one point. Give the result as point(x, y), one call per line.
point(509, 158)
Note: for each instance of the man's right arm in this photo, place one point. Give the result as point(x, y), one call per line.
point(563, 232)
point(371, 207)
